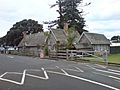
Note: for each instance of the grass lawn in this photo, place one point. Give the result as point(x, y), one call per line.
point(114, 58)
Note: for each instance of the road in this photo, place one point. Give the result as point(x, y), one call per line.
point(27, 73)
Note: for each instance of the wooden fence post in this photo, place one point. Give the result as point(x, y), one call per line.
point(67, 54)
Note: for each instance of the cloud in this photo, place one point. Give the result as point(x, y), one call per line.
point(12, 11)
point(103, 17)
point(103, 10)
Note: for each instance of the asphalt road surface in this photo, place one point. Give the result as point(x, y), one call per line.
point(27, 73)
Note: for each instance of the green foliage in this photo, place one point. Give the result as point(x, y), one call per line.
point(114, 58)
point(46, 50)
point(116, 39)
point(46, 33)
point(68, 12)
point(15, 34)
point(70, 38)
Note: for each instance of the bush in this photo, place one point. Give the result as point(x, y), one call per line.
point(46, 50)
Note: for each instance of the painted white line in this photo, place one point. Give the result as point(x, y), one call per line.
point(11, 81)
point(115, 77)
point(36, 76)
point(94, 82)
point(72, 70)
point(23, 77)
point(46, 76)
point(87, 80)
point(100, 74)
point(33, 70)
point(14, 73)
point(90, 67)
point(7, 80)
point(63, 71)
point(57, 67)
point(100, 66)
point(103, 70)
point(79, 69)
point(56, 72)
point(114, 70)
point(107, 72)
point(3, 74)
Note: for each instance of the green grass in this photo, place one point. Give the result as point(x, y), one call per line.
point(114, 58)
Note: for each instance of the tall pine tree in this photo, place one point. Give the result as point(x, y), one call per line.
point(69, 13)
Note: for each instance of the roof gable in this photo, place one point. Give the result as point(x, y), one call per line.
point(95, 38)
point(33, 40)
point(59, 35)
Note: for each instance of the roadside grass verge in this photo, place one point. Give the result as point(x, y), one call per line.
point(114, 58)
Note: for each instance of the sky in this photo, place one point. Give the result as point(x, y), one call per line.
point(102, 16)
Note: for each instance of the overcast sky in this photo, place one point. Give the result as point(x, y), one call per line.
point(102, 16)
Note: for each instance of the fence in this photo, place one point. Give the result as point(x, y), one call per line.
point(79, 54)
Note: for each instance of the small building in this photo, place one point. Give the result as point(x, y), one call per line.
point(114, 44)
point(114, 48)
point(92, 41)
point(32, 44)
point(57, 37)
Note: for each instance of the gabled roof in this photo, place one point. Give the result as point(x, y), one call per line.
point(33, 40)
point(115, 44)
point(59, 35)
point(77, 36)
point(95, 38)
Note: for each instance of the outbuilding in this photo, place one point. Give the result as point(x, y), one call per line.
point(92, 41)
point(32, 44)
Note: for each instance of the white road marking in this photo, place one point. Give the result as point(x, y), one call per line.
point(11, 81)
point(100, 66)
point(3, 74)
point(65, 74)
point(23, 77)
point(94, 82)
point(14, 73)
point(87, 80)
point(45, 73)
point(107, 72)
point(90, 66)
point(103, 70)
point(36, 76)
point(101, 74)
point(7, 80)
point(72, 70)
point(79, 69)
point(113, 77)
point(63, 71)
point(33, 70)
point(114, 70)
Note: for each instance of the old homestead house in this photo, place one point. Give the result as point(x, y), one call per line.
point(93, 41)
point(57, 37)
point(32, 44)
